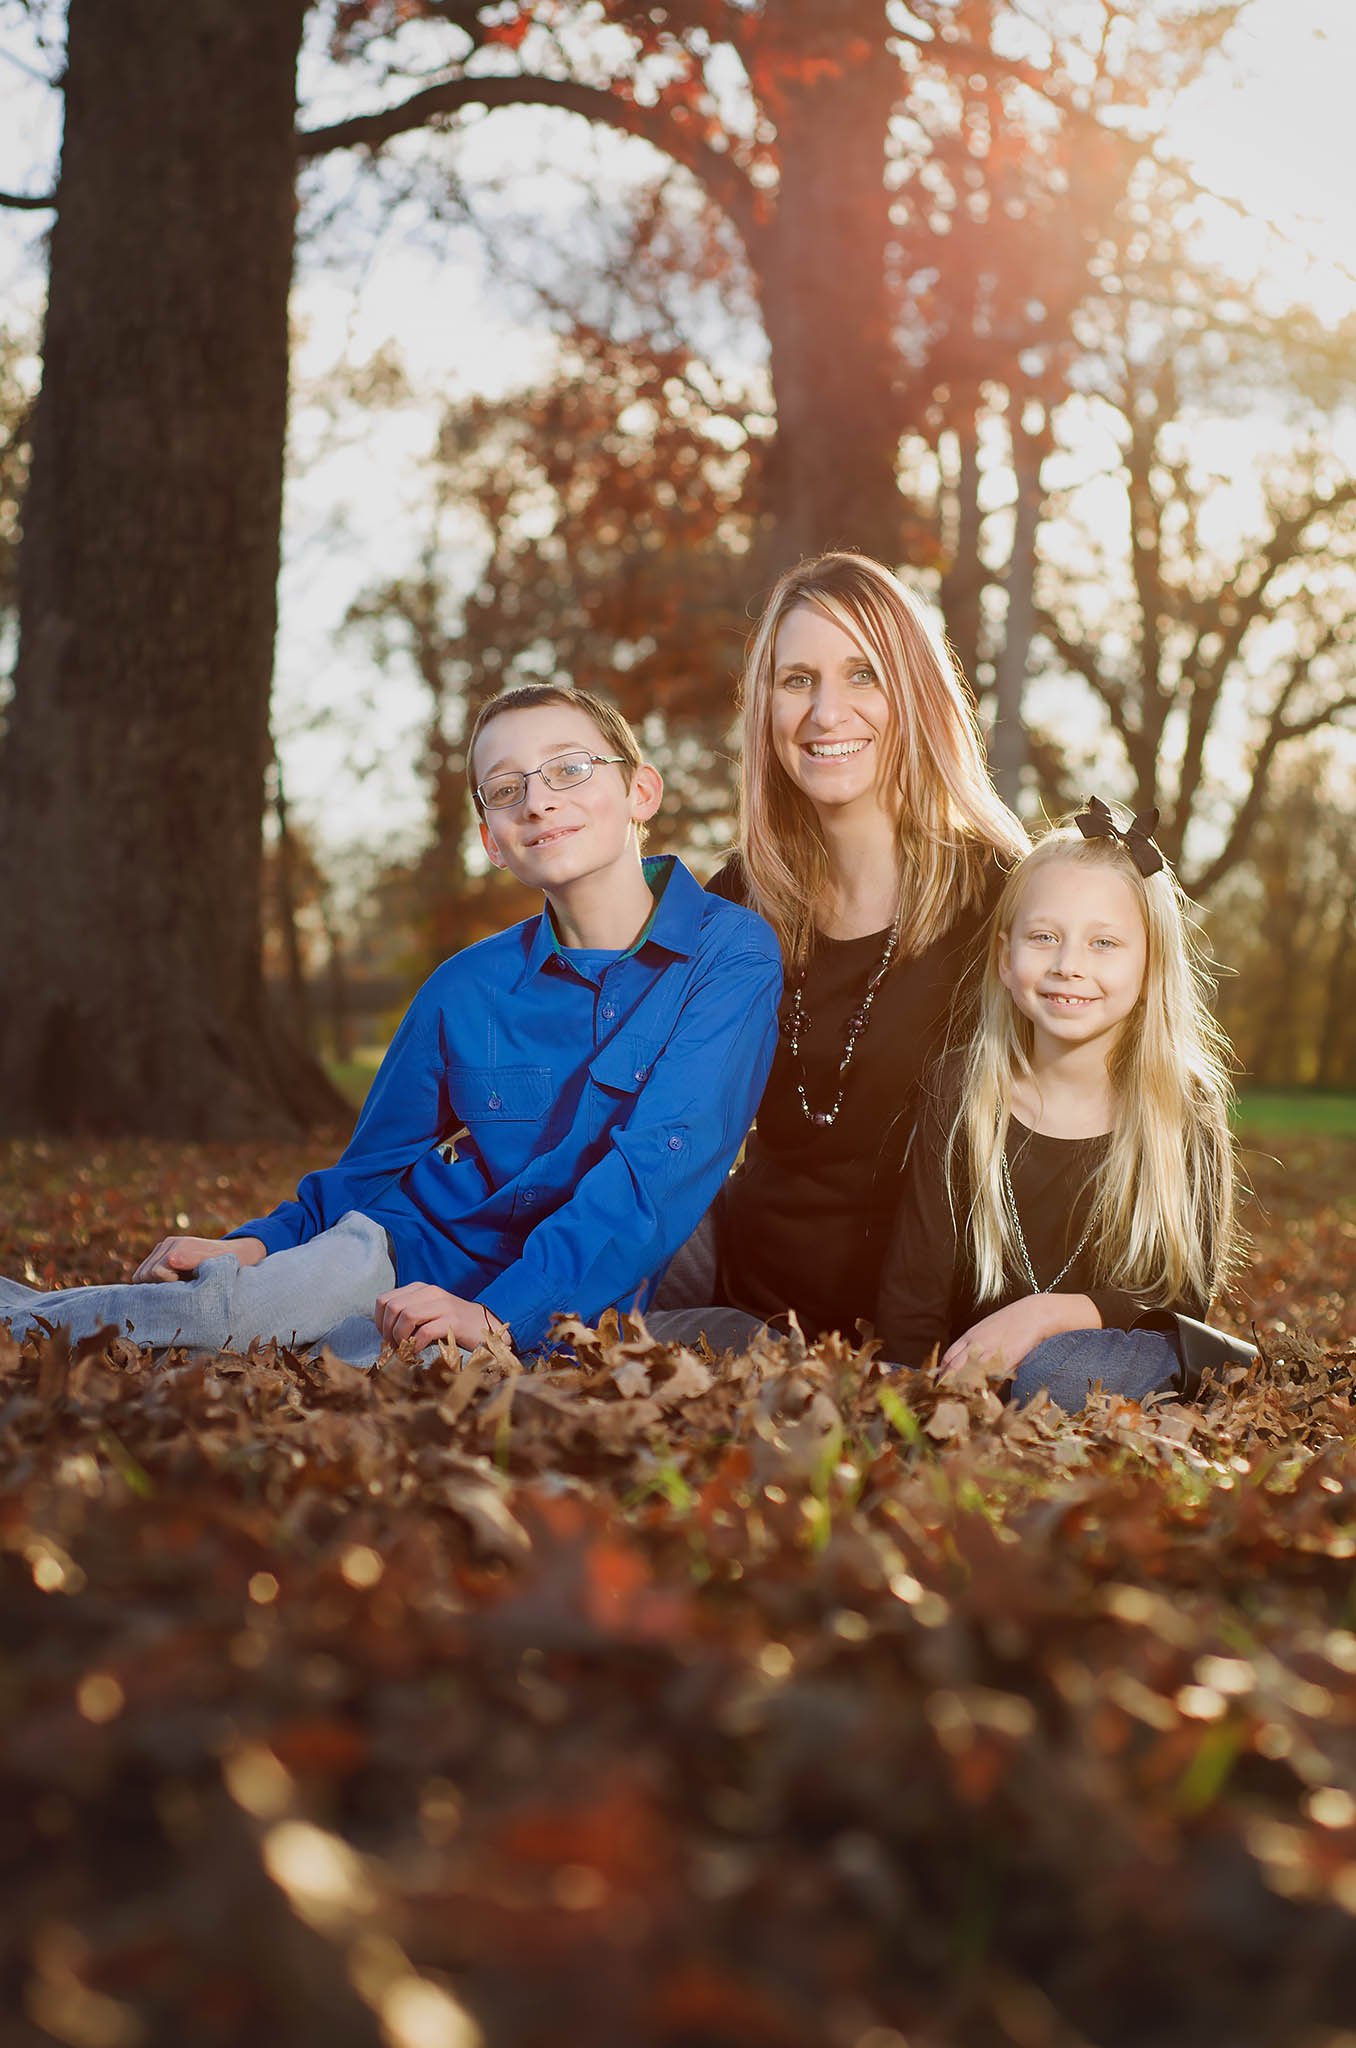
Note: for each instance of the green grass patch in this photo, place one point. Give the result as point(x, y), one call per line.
point(1296, 1113)
point(1262, 1112)
point(353, 1077)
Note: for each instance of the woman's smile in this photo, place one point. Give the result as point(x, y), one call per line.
point(828, 710)
point(834, 750)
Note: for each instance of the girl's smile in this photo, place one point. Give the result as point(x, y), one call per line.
point(1073, 957)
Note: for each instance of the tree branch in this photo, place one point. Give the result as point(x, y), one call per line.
point(1279, 733)
point(29, 202)
point(1300, 728)
point(1203, 701)
point(1252, 602)
point(1078, 656)
point(716, 171)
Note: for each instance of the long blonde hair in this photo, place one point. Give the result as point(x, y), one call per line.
point(1161, 1202)
point(950, 819)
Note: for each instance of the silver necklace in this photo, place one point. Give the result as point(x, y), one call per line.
point(797, 1022)
point(1016, 1221)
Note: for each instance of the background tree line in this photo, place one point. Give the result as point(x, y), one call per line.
point(980, 337)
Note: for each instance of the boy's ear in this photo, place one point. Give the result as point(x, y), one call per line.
point(491, 845)
point(647, 792)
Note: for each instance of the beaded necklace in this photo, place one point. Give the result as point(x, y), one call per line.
point(797, 1022)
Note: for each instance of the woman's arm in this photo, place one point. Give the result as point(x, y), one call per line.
point(913, 1311)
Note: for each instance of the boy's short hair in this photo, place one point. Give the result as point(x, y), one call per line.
point(613, 728)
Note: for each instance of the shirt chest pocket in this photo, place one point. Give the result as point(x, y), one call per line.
point(486, 1096)
point(622, 1067)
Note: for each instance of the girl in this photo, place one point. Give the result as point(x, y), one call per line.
point(1068, 1200)
point(870, 839)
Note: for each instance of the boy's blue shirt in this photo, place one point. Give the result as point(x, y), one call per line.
point(599, 1117)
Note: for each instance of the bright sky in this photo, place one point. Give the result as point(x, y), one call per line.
point(1275, 132)
point(1271, 129)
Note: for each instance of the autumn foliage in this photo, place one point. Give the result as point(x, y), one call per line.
point(659, 1699)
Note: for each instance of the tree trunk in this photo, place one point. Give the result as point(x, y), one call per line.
point(336, 990)
point(1007, 742)
point(1335, 1037)
point(132, 779)
point(285, 904)
point(823, 264)
point(964, 577)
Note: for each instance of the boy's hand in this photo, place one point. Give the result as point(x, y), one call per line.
point(176, 1257)
point(426, 1314)
point(1009, 1333)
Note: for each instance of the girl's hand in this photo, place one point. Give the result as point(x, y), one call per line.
point(426, 1314)
point(1009, 1333)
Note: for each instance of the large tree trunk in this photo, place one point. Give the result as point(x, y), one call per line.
point(824, 277)
point(132, 777)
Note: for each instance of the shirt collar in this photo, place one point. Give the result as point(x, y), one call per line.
point(673, 924)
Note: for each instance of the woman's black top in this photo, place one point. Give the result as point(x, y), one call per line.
point(927, 1293)
point(804, 1223)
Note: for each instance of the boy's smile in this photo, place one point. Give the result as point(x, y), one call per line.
point(550, 837)
point(579, 844)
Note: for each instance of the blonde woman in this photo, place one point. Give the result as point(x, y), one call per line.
point(1068, 1201)
point(873, 841)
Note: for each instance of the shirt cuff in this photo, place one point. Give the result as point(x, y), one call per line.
point(1118, 1310)
point(527, 1318)
point(272, 1234)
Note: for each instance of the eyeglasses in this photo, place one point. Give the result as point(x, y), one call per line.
point(562, 771)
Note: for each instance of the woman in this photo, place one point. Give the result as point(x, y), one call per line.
point(872, 839)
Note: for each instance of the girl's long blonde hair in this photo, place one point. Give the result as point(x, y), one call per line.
point(1161, 1202)
point(950, 820)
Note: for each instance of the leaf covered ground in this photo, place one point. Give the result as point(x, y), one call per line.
point(660, 1700)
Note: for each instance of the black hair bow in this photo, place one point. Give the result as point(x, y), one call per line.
point(1096, 822)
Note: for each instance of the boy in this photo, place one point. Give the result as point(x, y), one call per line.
point(554, 1114)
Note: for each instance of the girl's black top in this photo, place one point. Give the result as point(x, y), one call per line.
point(927, 1293)
point(804, 1223)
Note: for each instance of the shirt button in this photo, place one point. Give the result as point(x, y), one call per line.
point(493, 1102)
point(641, 1072)
point(528, 1197)
point(675, 1144)
point(608, 1012)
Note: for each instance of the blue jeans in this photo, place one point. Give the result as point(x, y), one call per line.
point(323, 1290)
point(725, 1329)
point(691, 1273)
point(1130, 1362)
point(320, 1291)
point(690, 1277)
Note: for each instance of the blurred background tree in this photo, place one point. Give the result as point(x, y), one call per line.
point(1212, 623)
point(922, 279)
point(1284, 920)
point(615, 502)
point(18, 383)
